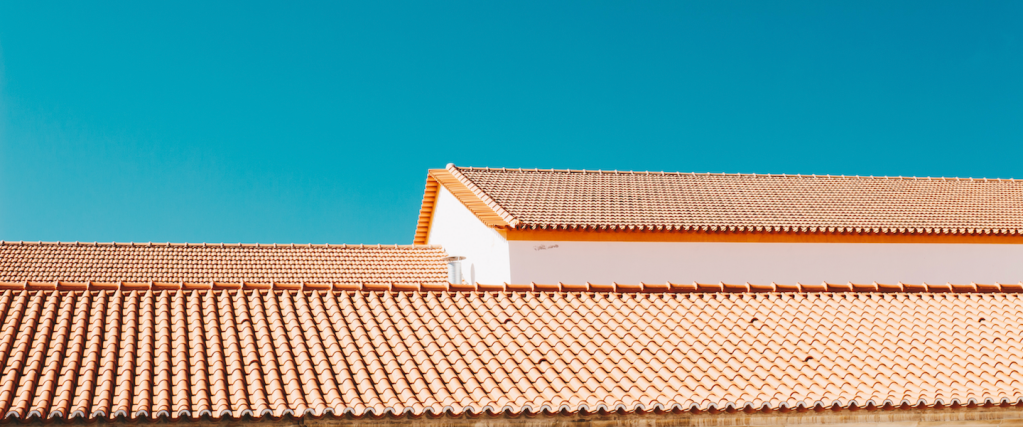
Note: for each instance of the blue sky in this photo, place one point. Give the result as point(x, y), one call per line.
point(316, 122)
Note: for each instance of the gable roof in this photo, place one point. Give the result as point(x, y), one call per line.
point(210, 263)
point(485, 209)
point(230, 354)
point(750, 203)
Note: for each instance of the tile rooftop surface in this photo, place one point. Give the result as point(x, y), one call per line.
point(205, 263)
point(230, 354)
point(563, 199)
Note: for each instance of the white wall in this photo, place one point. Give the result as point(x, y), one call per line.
point(762, 263)
point(458, 230)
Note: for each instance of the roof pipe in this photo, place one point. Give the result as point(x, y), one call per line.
point(454, 269)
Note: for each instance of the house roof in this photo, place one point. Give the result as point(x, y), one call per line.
point(230, 354)
point(752, 203)
point(204, 264)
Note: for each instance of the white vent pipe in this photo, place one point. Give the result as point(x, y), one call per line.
point(454, 269)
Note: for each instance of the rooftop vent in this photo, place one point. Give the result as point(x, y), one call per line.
point(454, 268)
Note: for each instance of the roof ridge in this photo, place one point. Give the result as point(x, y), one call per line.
point(483, 196)
point(618, 288)
point(739, 174)
point(218, 245)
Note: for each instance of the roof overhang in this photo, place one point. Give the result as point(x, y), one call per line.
point(488, 212)
point(705, 234)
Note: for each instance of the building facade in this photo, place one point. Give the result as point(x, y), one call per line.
point(549, 226)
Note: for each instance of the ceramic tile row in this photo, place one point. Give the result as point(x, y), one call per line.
point(189, 354)
point(750, 203)
point(140, 263)
point(694, 287)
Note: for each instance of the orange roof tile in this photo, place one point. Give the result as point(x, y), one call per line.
point(189, 354)
point(205, 264)
point(658, 201)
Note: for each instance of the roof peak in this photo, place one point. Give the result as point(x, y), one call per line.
point(775, 175)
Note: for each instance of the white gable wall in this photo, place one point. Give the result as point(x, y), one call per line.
point(458, 230)
point(763, 263)
point(631, 262)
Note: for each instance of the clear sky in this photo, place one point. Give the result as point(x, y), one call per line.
point(281, 123)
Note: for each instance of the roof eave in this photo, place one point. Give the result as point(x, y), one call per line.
point(486, 209)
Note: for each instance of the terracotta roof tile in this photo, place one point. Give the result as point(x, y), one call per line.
point(221, 266)
point(658, 201)
point(231, 353)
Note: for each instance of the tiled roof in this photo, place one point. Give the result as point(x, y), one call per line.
point(202, 263)
point(612, 200)
point(188, 354)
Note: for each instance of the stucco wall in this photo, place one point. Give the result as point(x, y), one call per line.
point(461, 234)
point(684, 262)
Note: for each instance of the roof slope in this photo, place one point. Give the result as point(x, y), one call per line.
point(563, 199)
point(233, 353)
point(202, 263)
